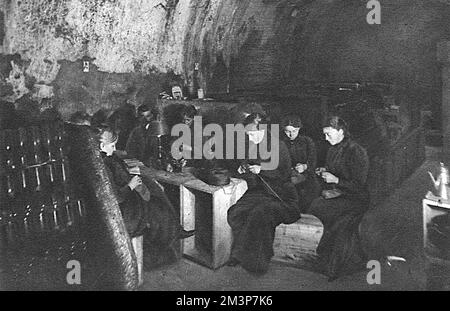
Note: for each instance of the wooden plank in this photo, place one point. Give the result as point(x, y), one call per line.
point(201, 186)
point(222, 234)
point(295, 244)
point(163, 176)
point(137, 243)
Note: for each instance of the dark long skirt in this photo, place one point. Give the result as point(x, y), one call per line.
point(253, 220)
point(339, 249)
point(161, 244)
point(307, 192)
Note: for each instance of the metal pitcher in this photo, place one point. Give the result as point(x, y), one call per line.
point(441, 183)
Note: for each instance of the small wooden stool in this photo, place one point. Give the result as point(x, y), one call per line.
point(138, 247)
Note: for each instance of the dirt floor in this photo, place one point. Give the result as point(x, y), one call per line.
point(396, 229)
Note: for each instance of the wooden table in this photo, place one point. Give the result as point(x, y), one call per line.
point(175, 179)
point(171, 182)
point(204, 208)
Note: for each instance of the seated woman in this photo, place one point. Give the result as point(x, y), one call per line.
point(184, 115)
point(144, 206)
point(140, 144)
point(271, 199)
point(122, 120)
point(343, 202)
point(303, 159)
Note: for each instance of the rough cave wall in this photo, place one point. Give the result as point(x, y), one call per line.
point(267, 45)
point(233, 41)
point(138, 47)
point(235, 44)
point(134, 47)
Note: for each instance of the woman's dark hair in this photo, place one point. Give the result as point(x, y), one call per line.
point(338, 123)
point(142, 108)
point(291, 120)
point(258, 119)
point(188, 111)
point(255, 118)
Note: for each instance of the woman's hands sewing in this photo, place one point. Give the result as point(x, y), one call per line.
point(183, 162)
point(134, 182)
point(255, 169)
point(329, 178)
point(301, 167)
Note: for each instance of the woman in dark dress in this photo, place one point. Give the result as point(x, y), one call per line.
point(271, 199)
point(145, 207)
point(186, 116)
point(140, 144)
point(344, 200)
point(122, 120)
point(303, 159)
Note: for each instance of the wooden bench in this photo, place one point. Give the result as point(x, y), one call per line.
point(297, 241)
point(212, 243)
point(204, 208)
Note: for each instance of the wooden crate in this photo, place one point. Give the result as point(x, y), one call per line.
point(204, 208)
point(437, 255)
point(436, 220)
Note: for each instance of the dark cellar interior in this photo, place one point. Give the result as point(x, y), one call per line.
point(315, 58)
